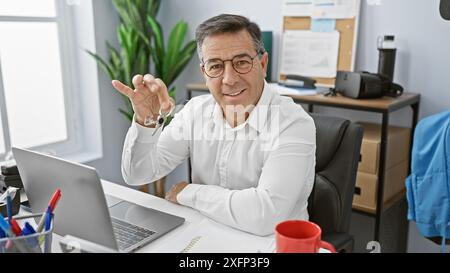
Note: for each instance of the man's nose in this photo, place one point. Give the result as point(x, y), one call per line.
point(230, 76)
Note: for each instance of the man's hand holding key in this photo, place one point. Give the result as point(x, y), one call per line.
point(149, 99)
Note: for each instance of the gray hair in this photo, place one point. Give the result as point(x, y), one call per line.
point(228, 23)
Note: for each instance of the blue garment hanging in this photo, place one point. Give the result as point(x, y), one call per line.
point(428, 186)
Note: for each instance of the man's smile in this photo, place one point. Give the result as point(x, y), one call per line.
point(236, 93)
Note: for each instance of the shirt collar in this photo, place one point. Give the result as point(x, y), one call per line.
point(259, 115)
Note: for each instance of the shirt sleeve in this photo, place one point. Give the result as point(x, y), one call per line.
point(147, 157)
point(287, 179)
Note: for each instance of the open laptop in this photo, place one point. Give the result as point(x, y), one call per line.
point(83, 210)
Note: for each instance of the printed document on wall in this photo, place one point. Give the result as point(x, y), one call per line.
point(334, 9)
point(311, 54)
point(297, 7)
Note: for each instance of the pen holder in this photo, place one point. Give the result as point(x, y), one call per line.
point(40, 242)
point(15, 205)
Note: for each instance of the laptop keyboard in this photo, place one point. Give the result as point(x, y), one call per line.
point(128, 234)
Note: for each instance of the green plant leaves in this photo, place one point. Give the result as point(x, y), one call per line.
point(158, 50)
point(169, 62)
point(103, 65)
point(141, 39)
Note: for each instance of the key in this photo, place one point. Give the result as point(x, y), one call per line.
point(159, 123)
point(161, 120)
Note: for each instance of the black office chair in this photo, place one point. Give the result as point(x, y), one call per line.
point(338, 143)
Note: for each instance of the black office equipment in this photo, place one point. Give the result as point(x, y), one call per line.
point(444, 9)
point(10, 170)
point(15, 204)
point(298, 81)
point(387, 52)
point(365, 85)
point(10, 176)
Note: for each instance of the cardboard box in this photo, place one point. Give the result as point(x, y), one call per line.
point(397, 147)
point(365, 197)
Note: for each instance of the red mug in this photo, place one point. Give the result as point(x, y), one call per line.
point(297, 236)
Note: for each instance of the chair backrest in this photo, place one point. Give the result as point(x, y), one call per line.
point(338, 143)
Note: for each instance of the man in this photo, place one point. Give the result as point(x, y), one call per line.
point(252, 151)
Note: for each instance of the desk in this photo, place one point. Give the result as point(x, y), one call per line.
point(383, 106)
point(146, 200)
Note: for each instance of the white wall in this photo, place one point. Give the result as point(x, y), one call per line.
point(114, 125)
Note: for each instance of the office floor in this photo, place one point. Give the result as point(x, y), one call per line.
point(393, 231)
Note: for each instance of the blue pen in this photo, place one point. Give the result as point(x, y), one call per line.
point(5, 226)
point(33, 242)
point(48, 221)
point(9, 208)
point(7, 229)
point(2, 244)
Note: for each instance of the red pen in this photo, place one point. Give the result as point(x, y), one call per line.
point(55, 198)
point(52, 204)
point(15, 227)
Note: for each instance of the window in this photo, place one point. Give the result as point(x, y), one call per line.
point(36, 72)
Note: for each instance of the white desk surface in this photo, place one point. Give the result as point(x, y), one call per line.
point(192, 217)
point(151, 201)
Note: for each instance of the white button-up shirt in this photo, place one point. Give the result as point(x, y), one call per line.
point(250, 177)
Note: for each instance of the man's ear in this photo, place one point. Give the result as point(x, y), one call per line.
point(265, 63)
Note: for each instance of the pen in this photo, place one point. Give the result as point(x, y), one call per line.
point(32, 242)
point(2, 244)
point(48, 220)
point(28, 229)
point(15, 227)
point(6, 228)
point(9, 207)
point(52, 204)
point(2, 235)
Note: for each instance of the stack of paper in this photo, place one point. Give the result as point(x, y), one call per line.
point(283, 90)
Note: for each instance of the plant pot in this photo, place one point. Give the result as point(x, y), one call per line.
point(158, 187)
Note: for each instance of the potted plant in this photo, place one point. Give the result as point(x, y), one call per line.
point(141, 40)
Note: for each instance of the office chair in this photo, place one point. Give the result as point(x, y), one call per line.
point(338, 143)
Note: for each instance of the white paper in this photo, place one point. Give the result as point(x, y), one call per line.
point(310, 54)
point(334, 9)
point(297, 8)
point(283, 90)
point(208, 236)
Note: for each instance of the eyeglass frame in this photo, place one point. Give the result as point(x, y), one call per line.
point(259, 53)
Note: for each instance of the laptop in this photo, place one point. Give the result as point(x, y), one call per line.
point(83, 210)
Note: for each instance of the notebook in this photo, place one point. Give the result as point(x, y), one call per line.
point(208, 236)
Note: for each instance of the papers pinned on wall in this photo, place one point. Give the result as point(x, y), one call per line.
point(297, 8)
point(330, 9)
point(310, 54)
point(334, 9)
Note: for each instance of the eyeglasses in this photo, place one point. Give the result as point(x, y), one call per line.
point(242, 64)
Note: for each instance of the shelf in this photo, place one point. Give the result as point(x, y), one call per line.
point(386, 205)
